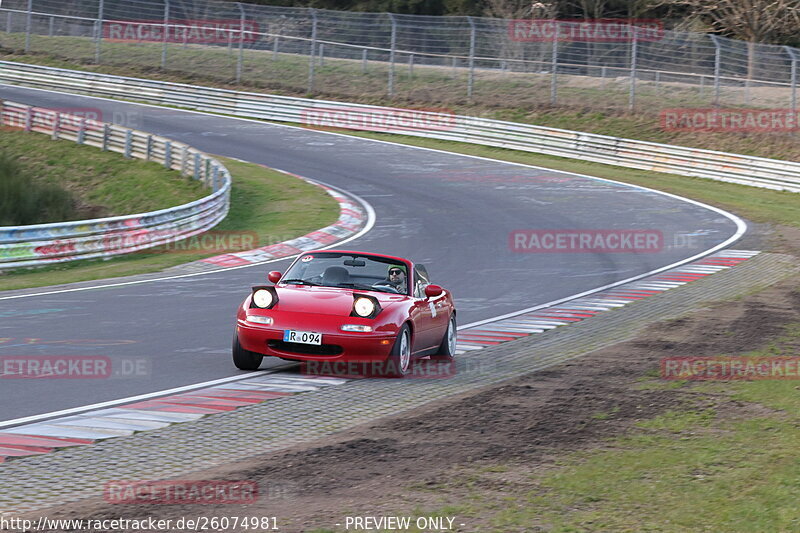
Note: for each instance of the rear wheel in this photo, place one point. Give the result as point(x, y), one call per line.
point(447, 350)
point(245, 359)
point(399, 362)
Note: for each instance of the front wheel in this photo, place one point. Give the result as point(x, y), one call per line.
point(447, 350)
point(399, 362)
point(245, 359)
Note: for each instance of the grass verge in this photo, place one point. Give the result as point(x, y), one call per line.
point(732, 468)
point(100, 183)
point(266, 205)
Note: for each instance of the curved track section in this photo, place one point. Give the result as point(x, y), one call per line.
point(451, 212)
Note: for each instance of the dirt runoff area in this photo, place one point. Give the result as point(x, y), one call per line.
point(407, 464)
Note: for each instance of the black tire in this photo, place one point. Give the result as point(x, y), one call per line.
point(245, 359)
point(399, 361)
point(447, 350)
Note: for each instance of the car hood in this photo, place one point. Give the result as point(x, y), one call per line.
point(327, 300)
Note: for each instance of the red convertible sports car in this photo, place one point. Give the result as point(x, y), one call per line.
point(341, 306)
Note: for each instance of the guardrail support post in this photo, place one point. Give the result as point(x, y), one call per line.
point(634, 49)
point(364, 61)
point(149, 149)
point(471, 76)
point(29, 118)
point(165, 29)
point(56, 125)
point(717, 65)
point(411, 65)
point(313, 50)
point(81, 131)
point(105, 137)
point(50, 29)
point(98, 31)
point(215, 182)
point(322, 54)
point(392, 45)
point(8, 22)
point(554, 66)
point(128, 143)
point(240, 59)
point(207, 176)
point(275, 48)
point(28, 22)
point(168, 155)
point(185, 161)
point(196, 166)
point(793, 56)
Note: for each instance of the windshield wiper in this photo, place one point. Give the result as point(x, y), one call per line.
point(302, 282)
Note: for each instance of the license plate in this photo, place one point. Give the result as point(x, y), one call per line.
point(303, 337)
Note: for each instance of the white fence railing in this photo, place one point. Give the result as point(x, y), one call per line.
point(41, 244)
point(746, 170)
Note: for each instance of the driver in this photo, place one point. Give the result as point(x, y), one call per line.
point(396, 277)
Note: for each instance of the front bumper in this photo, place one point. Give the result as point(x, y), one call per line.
point(337, 345)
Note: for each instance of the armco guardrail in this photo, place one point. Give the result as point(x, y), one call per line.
point(41, 244)
point(720, 166)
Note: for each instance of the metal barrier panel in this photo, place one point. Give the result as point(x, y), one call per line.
point(35, 245)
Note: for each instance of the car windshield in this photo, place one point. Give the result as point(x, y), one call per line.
point(351, 271)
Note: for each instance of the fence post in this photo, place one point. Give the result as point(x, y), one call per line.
point(81, 131)
point(8, 22)
point(471, 76)
point(393, 45)
point(321, 54)
point(717, 64)
point(104, 146)
point(168, 155)
point(364, 61)
point(240, 59)
point(411, 65)
point(56, 125)
point(50, 29)
point(99, 31)
point(275, 49)
point(128, 143)
point(28, 22)
point(634, 49)
point(554, 66)
point(185, 161)
point(165, 29)
point(793, 56)
point(313, 51)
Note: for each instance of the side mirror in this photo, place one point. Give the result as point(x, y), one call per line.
point(432, 291)
point(274, 276)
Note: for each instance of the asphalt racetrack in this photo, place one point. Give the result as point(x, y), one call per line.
point(450, 212)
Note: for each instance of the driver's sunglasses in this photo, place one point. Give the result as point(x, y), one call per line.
point(395, 272)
